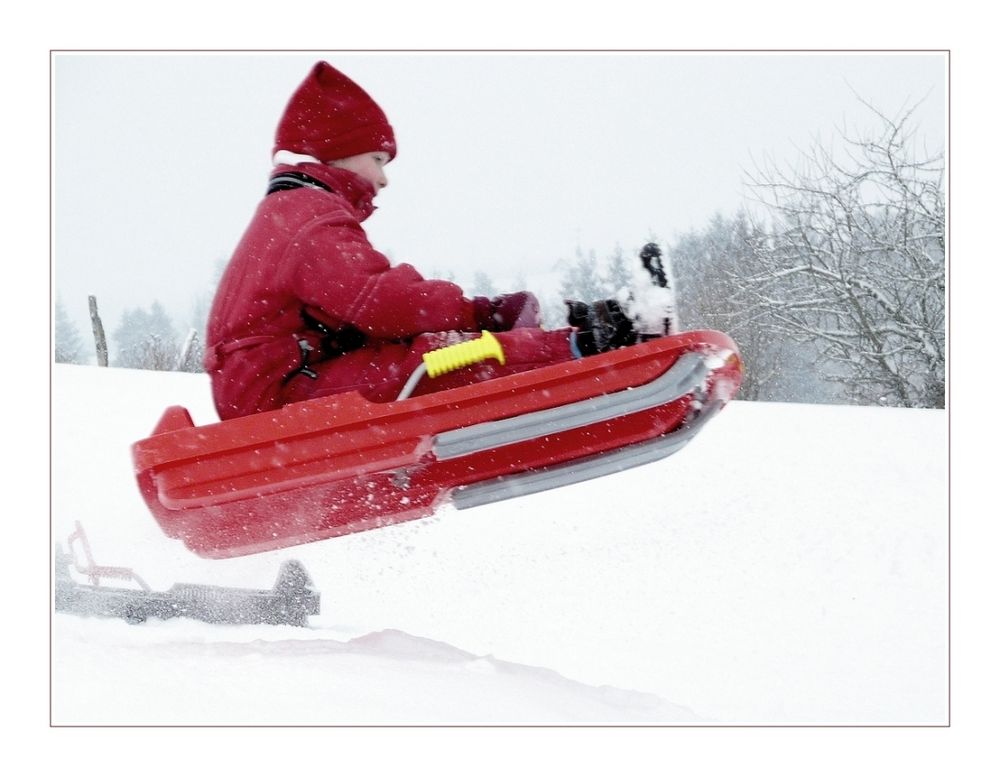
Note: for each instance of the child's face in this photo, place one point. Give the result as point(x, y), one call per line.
point(368, 165)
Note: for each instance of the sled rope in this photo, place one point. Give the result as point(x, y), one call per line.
point(453, 357)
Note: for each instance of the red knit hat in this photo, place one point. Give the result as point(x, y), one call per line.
point(330, 117)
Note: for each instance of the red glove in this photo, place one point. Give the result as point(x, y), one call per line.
point(507, 311)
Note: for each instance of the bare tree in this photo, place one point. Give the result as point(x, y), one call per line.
point(856, 262)
point(711, 265)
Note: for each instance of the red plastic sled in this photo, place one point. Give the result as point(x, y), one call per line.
point(342, 464)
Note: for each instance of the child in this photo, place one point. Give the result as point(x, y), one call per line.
point(306, 306)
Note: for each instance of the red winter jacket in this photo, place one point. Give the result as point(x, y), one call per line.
point(306, 306)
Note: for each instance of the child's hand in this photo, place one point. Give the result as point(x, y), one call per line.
point(508, 311)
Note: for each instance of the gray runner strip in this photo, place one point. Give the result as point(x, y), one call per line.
point(686, 374)
point(583, 469)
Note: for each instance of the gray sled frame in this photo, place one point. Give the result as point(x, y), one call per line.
point(290, 602)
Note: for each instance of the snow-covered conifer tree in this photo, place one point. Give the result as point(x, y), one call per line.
point(69, 348)
point(146, 340)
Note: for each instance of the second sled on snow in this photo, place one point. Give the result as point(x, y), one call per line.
point(342, 464)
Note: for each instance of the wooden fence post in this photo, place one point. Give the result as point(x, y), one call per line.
point(189, 341)
point(99, 339)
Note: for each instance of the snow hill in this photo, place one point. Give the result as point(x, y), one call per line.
point(789, 566)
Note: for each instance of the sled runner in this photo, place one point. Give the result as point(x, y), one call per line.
point(342, 464)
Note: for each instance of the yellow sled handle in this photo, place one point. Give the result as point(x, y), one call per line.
point(454, 357)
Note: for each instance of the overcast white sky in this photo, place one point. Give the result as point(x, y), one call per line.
point(507, 162)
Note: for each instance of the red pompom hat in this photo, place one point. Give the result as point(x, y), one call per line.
point(330, 117)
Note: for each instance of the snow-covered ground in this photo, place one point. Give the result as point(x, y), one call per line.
point(789, 566)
